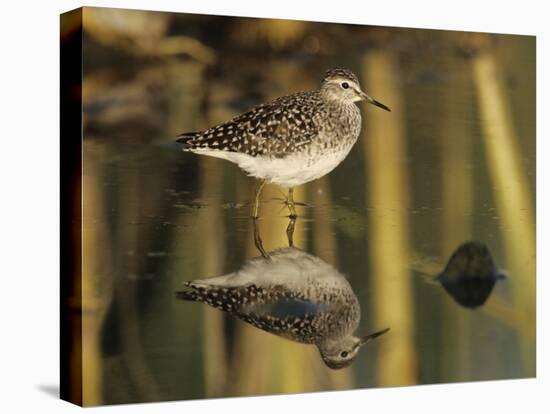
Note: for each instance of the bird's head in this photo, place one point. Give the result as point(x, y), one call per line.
point(342, 85)
point(340, 352)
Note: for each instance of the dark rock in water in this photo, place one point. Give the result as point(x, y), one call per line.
point(470, 274)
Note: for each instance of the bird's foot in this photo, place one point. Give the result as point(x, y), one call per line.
point(288, 201)
point(291, 209)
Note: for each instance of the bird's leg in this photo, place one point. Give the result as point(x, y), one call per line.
point(258, 241)
point(257, 200)
point(290, 231)
point(290, 203)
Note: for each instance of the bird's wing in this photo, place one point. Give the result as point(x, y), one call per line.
point(285, 308)
point(250, 299)
point(285, 313)
point(278, 128)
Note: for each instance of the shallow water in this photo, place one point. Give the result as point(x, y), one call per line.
point(419, 183)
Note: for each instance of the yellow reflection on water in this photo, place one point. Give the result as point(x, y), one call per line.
point(388, 232)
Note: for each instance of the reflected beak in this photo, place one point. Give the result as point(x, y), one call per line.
point(373, 101)
point(371, 336)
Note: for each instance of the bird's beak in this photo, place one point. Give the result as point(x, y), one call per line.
point(371, 336)
point(370, 100)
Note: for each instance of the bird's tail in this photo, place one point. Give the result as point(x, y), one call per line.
point(222, 298)
point(190, 295)
point(187, 139)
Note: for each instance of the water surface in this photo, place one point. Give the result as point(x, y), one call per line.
point(420, 181)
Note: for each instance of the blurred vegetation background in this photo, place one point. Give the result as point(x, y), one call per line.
point(454, 161)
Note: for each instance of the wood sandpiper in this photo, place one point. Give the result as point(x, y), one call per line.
point(294, 295)
point(293, 139)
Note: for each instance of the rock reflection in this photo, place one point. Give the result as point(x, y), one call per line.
point(470, 274)
point(292, 294)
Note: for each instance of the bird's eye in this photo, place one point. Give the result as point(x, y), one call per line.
point(345, 85)
point(343, 354)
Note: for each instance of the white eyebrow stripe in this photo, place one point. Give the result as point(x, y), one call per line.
point(340, 80)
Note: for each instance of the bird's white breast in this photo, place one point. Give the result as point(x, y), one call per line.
point(289, 267)
point(290, 171)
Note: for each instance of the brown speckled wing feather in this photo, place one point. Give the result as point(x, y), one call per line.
point(278, 127)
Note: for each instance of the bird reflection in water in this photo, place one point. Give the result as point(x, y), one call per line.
point(470, 274)
point(292, 294)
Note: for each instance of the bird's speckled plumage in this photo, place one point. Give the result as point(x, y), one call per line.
point(293, 139)
point(277, 128)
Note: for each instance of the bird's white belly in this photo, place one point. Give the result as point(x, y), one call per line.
point(292, 170)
